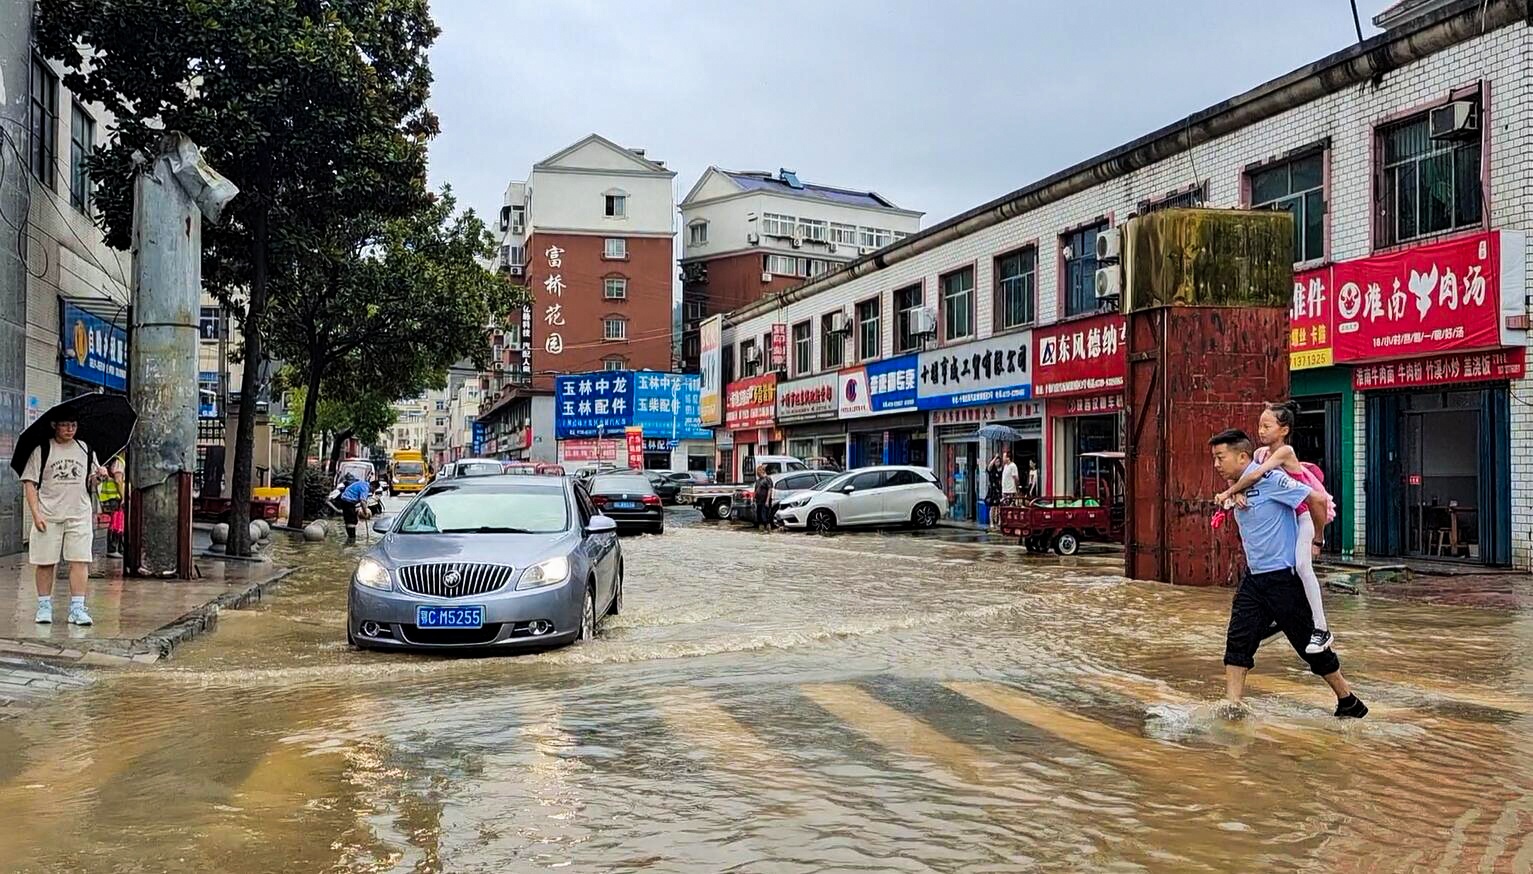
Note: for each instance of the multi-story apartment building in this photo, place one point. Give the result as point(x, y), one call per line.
point(412, 419)
point(746, 234)
point(1402, 161)
point(594, 245)
point(462, 410)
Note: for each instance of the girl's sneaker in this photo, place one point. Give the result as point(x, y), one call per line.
point(1319, 641)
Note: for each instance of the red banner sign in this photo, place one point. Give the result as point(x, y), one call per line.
point(1081, 357)
point(779, 346)
point(1434, 298)
point(1309, 320)
point(1441, 369)
point(589, 449)
point(751, 402)
point(635, 437)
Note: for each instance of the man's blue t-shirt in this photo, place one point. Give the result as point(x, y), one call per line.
point(1269, 530)
point(357, 492)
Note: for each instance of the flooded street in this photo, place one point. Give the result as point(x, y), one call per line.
point(793, 703)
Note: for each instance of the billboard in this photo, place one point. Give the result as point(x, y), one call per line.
point(1080, 357)
point(94, 350)
point(987, 371)
point(710, 367)
point(668, 405)
point(593, 404)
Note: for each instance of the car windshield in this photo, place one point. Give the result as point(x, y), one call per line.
point(609, 484)
point(485, 468)
point(408, 468)
point(477, 511)
point(834, 482)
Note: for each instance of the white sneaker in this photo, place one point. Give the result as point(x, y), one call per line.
point(44, 614)
point(1319, 641)
point(78, 616)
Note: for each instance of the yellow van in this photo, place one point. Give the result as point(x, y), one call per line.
point(408, 472)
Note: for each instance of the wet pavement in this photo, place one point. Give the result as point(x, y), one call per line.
point(786, 703)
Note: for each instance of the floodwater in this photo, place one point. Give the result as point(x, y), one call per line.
point(787, 703)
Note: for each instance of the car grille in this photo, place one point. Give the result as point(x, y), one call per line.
point(454, 579)
point(450, 636)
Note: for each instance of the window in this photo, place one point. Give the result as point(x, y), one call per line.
point(871, 479)
point(750, 359)
point(1016, 289)
point(440, 406)
point(803, 348)
point(904, 478)
point(830, 342)
point(45, 122)
point(1080, 279)
point(1427, 186)
point(615, 204)
point(615, 288)
point(616, 247)
point(907, 305)
point(614, 364)
point(614, 328)
point(697, 233)
point(518, 218)
point(875, 237)
point(777, 225)
point(441, 421)
point(785, 265)
point(958, 304)
point(868, 329)
point(82, 139)
point(517, 256)
point(766, 353)
point(210, 323)
point(1298, 187)
point(1191, 197)
point(727, 364)
point(813, 229)
point(818, 266)
point(843, 235)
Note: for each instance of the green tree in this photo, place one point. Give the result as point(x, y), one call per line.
point(380, 308)
point(315, 108)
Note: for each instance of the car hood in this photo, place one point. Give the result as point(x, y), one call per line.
point(519, 550)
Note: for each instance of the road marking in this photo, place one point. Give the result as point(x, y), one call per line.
point(1472, 695)
point(706, 724)
point(1291, 740)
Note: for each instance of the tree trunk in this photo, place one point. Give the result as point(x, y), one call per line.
point(337, 447)
point(295, 500)
point(250, 383)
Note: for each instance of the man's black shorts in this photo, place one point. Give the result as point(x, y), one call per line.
point(1260, 600)
point(348, 511)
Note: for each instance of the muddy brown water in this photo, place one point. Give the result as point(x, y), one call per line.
point(792, 703)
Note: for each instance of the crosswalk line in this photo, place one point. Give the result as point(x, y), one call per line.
point(705, 724)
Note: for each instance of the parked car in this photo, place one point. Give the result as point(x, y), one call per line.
point(885, 495)
point(444, 473)
point(785, 486)
point(628, 498)
point(716, 501)
point(773, 464)
point(487, 562)
point(664, 486)
point(584, 474)
point(476, 467)
point(689, 477)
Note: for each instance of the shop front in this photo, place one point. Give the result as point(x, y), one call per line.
point(93, 353)
point(750, 415)
point(806, 412)
point(964, 387)
point(1436, 334)
point(1080, 367)
point(1323, 392)
point(878, 403)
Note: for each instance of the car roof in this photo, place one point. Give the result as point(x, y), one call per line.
point(504, 481)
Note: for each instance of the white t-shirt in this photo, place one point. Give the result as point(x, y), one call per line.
point(62, 490)
point(1009, 477)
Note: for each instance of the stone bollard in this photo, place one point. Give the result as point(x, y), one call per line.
point(221, 533)
point(314, 532)
point(265, 528)
point(255, 532)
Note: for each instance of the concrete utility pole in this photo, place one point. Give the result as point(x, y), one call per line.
point(169, 204)
point(15, 61)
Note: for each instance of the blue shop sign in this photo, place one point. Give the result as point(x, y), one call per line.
point(94, 350)
point(481, 433)
point(892, 384)
point(669, 405)
point(993, 370)
point(593, 404)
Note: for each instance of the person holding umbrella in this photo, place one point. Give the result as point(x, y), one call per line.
point(56, 458)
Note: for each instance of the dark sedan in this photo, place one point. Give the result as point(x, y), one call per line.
point(664, 486)
point(629, 500)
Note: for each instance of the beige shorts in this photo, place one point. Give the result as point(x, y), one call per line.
point(65, 539)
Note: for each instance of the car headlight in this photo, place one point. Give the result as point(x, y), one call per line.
point(372, 574)
point(546, 573)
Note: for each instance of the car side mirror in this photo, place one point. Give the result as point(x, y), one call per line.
point(382, 524)
point(601, 525)
point(848, 488)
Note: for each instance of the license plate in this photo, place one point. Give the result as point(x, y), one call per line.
point(624, 505)
point(449, 617)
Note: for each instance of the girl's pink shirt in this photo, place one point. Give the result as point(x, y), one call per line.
point(1311, 476)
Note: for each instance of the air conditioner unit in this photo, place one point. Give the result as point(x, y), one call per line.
point(925, 321)
point(753, 238)
point(1109, 283)
point(751, 355)
point(766, 276)
point(1109, 244)
point(798, 242)
point(840, 323)
point(516, 270)
point(1454, 120)
point(865, 250)
point(831, 246)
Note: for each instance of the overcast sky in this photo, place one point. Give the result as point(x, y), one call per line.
point(939, 106)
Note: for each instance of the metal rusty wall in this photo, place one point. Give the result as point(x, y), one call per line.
point(1193, 371)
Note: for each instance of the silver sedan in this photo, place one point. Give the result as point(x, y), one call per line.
point(488, 562)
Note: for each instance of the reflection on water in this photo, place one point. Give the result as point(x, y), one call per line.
point(789, 703)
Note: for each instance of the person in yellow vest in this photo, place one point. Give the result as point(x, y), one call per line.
point(111, 492)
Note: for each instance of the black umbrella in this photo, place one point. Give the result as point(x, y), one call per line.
point(106, 423)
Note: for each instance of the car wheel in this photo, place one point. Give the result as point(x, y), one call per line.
point(351, 639)
point(924, 515)
point(588, 615)
point(723, 512)
point(1067, 544)
point(823, 521)
point(658, 529)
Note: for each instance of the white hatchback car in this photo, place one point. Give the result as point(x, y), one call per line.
point(887, 495)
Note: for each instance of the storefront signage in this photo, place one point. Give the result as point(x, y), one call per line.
point(892, 384)
point(94, 350)
point(635, 441)
point(589, 449)
point(983, 372)
point(593, 404)
point(813, 397)
point(658, 444)
point(987, 415)
point(667, 405)
point(751, 402)
point(1434, 298)
point(1442, 369)
point(1309, 320)
point(481, 434)
point(1080, 357)
point(779, 346)
point(1096, 405)
point(852, 391)
point(710, 401)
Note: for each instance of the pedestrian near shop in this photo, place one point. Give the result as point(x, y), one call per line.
point(1032, 478)
point(1270, 590)
point(763, 495)
point(59, 480)
point(993, 490)
point(111, 494)
point(1010, 479)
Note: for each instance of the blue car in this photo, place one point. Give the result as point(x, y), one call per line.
point(499, 562)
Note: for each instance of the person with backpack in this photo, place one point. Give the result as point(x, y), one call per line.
point(110, 494)
point(60, 478)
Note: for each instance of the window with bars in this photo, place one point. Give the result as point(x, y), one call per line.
point(614, 328)
point(1016, 289)
point(82, 139)
point(831, 345)
point(803, 348)
point(1296, 186)
point(1080, 279)
point(615, 247)
point(957, 304)
point(907, 307)
point(868, 329)
point(1191, 197)
point(614, 364)
point(44, 117)
point(1426, 186)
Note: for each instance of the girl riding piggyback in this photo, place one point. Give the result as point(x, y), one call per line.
point(1273, 432)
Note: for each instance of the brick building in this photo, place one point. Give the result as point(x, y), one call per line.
point(1402, 160)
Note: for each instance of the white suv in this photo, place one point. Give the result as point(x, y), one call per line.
point(887, 495)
